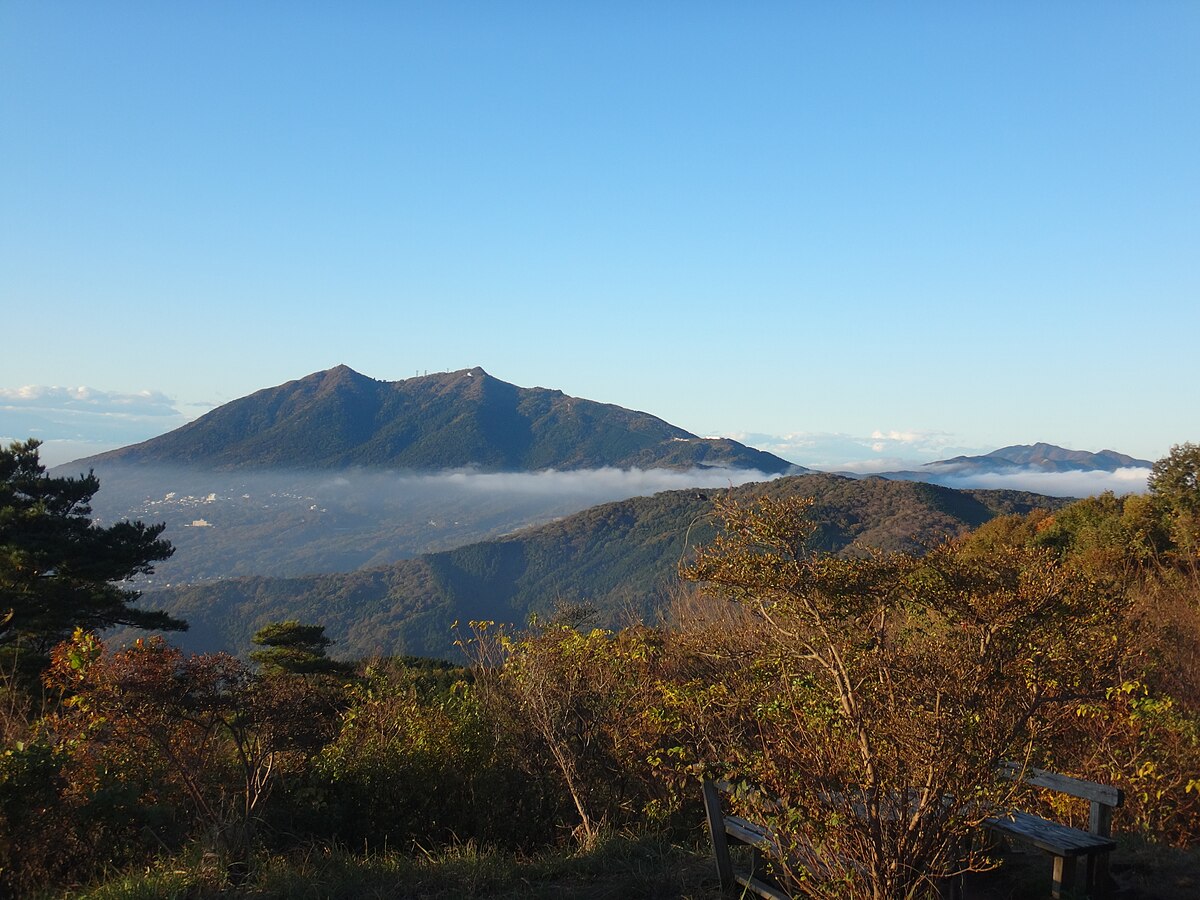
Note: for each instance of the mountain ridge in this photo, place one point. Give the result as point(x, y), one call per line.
point(339, 418)
point(1040, 457)
point(1051, 457)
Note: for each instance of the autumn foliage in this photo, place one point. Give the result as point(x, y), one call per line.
point(870, 697)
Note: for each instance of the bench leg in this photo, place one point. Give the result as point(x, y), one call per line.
point(716, 831)
point(950, 888)
point(1099, 882)
point(1064, 876)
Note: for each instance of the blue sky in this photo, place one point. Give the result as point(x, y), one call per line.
point(844, 232)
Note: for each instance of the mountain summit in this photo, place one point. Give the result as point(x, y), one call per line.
point(450, 420)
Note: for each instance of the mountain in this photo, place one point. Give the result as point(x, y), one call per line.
point(1059, 459)
point(1022, 462)
point(620, 557)
point(1039, 457)
point(337, 471)
point(338, 419)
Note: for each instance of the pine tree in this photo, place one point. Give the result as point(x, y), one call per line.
point(58, 569)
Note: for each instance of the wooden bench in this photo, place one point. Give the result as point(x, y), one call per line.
point(1065, 844)
point(725, 829)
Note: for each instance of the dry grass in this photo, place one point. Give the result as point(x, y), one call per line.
point(619, 868)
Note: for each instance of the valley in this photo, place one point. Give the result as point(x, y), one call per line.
point(619, 558)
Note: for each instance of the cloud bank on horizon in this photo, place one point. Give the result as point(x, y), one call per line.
point(86, 400)
point(909, 451)
point(1057, 484)
point(611, 484)
point(880, 451)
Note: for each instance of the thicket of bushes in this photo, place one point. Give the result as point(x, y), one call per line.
point(1070, 641)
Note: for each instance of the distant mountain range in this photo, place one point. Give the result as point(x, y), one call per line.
point(334, 471)
point(460, 496)
point(620, 557)
point(1018, 459)
point(340, 419)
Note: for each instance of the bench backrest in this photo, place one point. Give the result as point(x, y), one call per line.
point(1076, 787)
point(1103, 798)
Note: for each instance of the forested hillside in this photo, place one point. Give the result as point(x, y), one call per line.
point(1061, 639)
point(620, 558)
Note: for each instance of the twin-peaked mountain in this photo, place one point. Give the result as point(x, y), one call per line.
point(337, 471)
point(340, 419)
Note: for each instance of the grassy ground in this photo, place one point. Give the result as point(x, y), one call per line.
point(644, 867)
point(621, 867)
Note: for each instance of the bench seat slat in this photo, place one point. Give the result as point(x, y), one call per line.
point(748, 833)
point(764, 890)
point(1060, 840)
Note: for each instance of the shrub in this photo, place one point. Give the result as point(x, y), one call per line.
point(890, 687)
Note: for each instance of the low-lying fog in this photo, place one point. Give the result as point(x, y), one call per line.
point(1056, 484)
point(293, 523)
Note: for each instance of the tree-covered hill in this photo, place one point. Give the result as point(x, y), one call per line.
point(466, 419)
point(619, 557)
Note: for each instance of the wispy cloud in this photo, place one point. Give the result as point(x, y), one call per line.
point(73, 422)
point(47, 398)
point(876, 465)
point(880, 451)
point(900, 437)
point(914, 441)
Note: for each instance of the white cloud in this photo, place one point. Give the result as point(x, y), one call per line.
point(882, 450)
point(1057, 484)
point(73, 422)
point(924, 442)
point(903, 437)
point(605, 483)
point(47, 398)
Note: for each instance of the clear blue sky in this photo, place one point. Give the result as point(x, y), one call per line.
point(834, 230)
